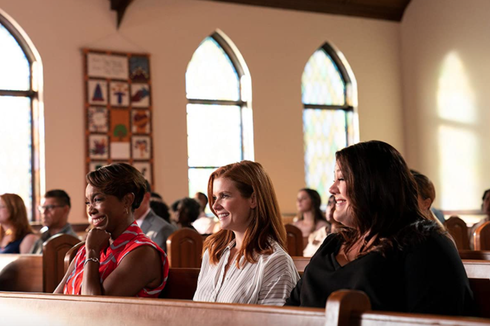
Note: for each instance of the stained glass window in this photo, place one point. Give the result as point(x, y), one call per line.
point(19, 164)
point(328, 116)
point(219, 117)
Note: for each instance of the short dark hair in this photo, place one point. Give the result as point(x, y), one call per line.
point(147, 186)
point(192, 207)
point(485, 193)
point(159, 207)
point(202, 196)
point(59, 194)
point(119, 179)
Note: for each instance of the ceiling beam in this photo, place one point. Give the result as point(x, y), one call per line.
point(391, 10)
point(120, 7)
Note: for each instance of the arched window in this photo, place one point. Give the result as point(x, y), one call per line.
point(219, 114)
point(329, 96)
point(21, 124)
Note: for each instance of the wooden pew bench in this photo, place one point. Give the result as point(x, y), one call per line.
point(343, 308)
point(346, 308)
point(56, 309)
point(21, 273)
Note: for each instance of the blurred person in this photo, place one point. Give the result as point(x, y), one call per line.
point(155, 227)
point(204, 224)
point(54, 209)
point(310, 216)
point(159, 206)
point(16, 235)
point(187, 212)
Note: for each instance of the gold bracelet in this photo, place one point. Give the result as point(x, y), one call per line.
point(95, 260)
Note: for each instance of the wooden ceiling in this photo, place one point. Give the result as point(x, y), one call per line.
point(377, 9)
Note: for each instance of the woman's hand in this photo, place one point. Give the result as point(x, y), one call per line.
point(97, 240)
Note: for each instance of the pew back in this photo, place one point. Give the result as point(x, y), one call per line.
point(52, 309)
point(54, 251)
point(21, 273)
point(184, 248)
point(458, 229)
point(294, 240)
point(347, 307)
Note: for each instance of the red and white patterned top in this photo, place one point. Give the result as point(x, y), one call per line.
point(132, 238)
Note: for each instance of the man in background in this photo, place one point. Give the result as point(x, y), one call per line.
point(55, 207)
point(154, 226)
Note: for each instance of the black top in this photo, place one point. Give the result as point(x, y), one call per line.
point(427, 278)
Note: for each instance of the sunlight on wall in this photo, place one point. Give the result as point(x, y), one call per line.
point(458, 155)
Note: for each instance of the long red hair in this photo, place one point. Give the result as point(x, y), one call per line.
point(266, 224)
point(18, 216)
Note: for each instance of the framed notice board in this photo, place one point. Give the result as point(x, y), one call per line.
point(118, 110)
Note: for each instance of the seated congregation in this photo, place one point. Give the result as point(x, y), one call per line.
point(378, 236)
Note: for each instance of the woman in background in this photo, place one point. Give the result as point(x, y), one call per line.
point(310, 217)
point(387, 248)
point(245, 262)
point(315, 239)
point(426, 194)
point(16, 235)
point(117, 258)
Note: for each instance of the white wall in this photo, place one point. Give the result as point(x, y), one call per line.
point(276, 45)
point(446, 73)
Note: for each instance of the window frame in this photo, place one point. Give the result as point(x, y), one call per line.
point(350, 101)
point(241, 103)
point(36, 109)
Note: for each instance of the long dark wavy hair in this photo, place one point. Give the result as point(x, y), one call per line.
point(382, 198)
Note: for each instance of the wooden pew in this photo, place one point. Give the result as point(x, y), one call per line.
point(343, 308)
point(474, 254)
point(54, 251)
point(300, 262)
point(347, 307)
point(184, 248)
point(181, 283)
point(294, 240)
point(21, 272)
point(458, 229)
point(36, 273)
point(481, 237)
point(56, 309)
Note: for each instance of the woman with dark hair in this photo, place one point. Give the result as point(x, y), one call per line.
point(245, 262)
point(387, 248)
point(117, 258)
point(187, 212)
point(310, 217)
point(426, 194)
point(16, 235)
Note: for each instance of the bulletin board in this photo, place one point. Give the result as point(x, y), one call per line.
point(118, 110)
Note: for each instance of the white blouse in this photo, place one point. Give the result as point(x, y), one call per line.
point(269, 281)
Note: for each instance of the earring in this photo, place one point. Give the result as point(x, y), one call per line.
point(127, 211)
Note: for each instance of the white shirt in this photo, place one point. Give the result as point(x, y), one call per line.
point(142, 218)
point(204, 224)
point(269, 281)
